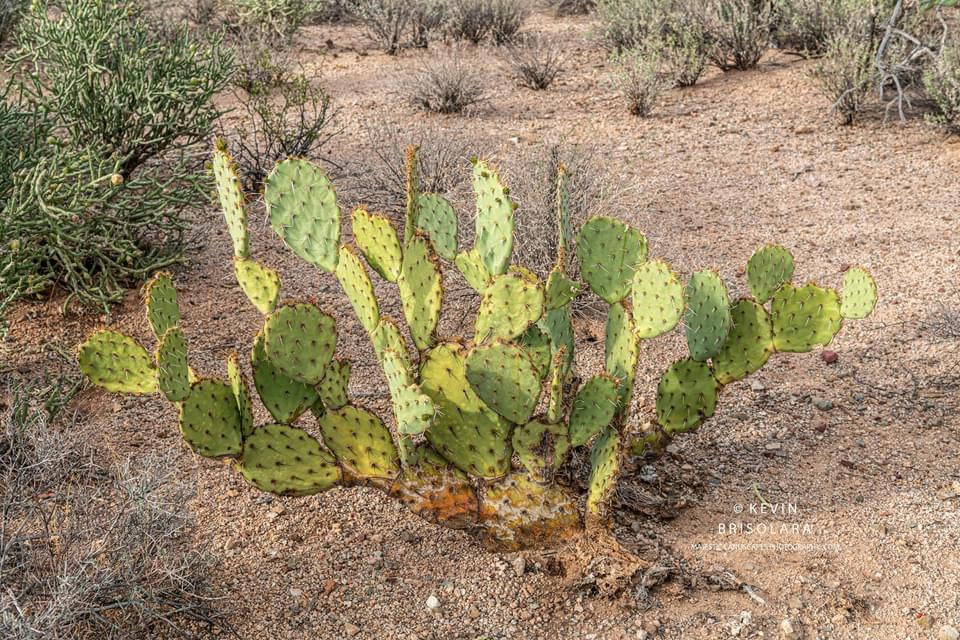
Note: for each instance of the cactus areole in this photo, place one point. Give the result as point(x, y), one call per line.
point(479, 429)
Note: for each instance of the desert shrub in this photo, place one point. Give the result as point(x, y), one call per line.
point(562, 8)
point(11, 11)
point(90, 550)
point(296, 120)
point(640, 77)
point(533, 60)
point(474, 20)
point(627, 22)
point(446, 83)
point(846, 74)
point(739, 32)
point(684, 49)
point(385, 21)
point(272, 20)
point(808, 26)
point(260, 66)
point(941, 82)
point(427, 19)
point(506, 19)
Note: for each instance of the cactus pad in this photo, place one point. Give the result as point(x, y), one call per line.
point(804, 317)
point(287, 461)
point(413, 410)
point(541, 447)
point(304, 212)
point(387, 337)
point(473, 269)
point(421, 291)
point(564, 226)
point(231, 201)
point(505, 378)
point(708, 314)
point(537, 346)
point(260, 283)
point(561, 290)
point(604, 471)
point(378, 241)
point(117, 363)
point(657, 299)
point(210, 419)
point(768, 269)
point(465, 431)
point(509, 305)
point(241, 391)
point(438, 220)
point(594, 407)
point(519, 513)
point(300, 341)
point(621, 350)
point(285, 398)
point(494, 239)
point(356, 284)
point(160, 299)
point(173, 373)
point(686, 394)
point(859, 295)
point(360, 441)
point(435, 491)
point(333, 387)
point(749, 344)
point(555, 407)
point(609, 251)
point(558, 326)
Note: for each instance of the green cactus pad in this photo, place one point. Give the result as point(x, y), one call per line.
point(378, 241)
point(304, 212)
point(300, 341)
point(173, 373)
point(565, 238)
point(561, 290)
point(436, 218)
point(474, 271)
point(356, 284)
point(241, 391)
point(231, 201)
point(414, 411)
point(604, 471)
point(517, 512)
point(859, 295)
point(421, 291)
point(210, 419)
point(707, 318)
point(749, 344)
point(657, 299)
point(388, 337)
point(622, 350)
point(360, 441)
point(558, 326)
point(333, 387)
point(494, 238)
point(541, 447)
point(594, 407)
point(537, 345)
point(260, 283)
point(768, 269)
point(555, 407)
point(287, 461)
point(465, 430)
point(609, 251)
point(804, 317)
point(285, 398)
point(505, 378)
point(160, 299)
point(509, 305)
point(116, 362)
point(686, 394)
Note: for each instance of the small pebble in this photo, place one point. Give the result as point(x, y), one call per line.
point(433, 603)
point(948, 633)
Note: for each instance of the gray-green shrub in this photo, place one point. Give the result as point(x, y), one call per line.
point(941, 83)
point(739, 32)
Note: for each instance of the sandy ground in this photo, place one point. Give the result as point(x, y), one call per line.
point(842, 519)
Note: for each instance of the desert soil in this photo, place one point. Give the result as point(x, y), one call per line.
point(823, 494)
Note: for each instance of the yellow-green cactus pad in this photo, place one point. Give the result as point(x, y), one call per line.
point(333, 387)
point(708, 314)
point(241, 391)
point(504, 377)
point(356, 284)
point(474, 271)
point(686, 394)
point(210, 419)
point(421, 291)
point(604, 471)
point(622, 350)
point(465, 430)
point(494, 239)
point(304, 212)
point(541, 447)
point(510, 304)
point(749, 344)
point(414, 411)
point(287, 461)
point(609, 251)
point(768, 269)
point(173, 373)
point(537, 345)
point(436, 218)
point(555, 407)
point(657, 299)
point(561, 290)
point(260, 283)
point(285, 398)
point(116, 362)
point(804, 317)
point(360, 441)
point(378, 241)
point(388, 337)
point(594, 407)
point(300, 341)
point(565, 238)
point(558, 326)
point(231, 200)
point(160, 299)
point(859, 295)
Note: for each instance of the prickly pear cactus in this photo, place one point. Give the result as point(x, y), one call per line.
point(470, 407)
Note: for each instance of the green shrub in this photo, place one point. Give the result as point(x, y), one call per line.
point(941, 82)
point(641, 77)
point(11, 11)
point(739, 32)
point(846, 74)
point(627, 22)
point(685, 48)
point(273, 20)
point(808, 26)
point(474, 20)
